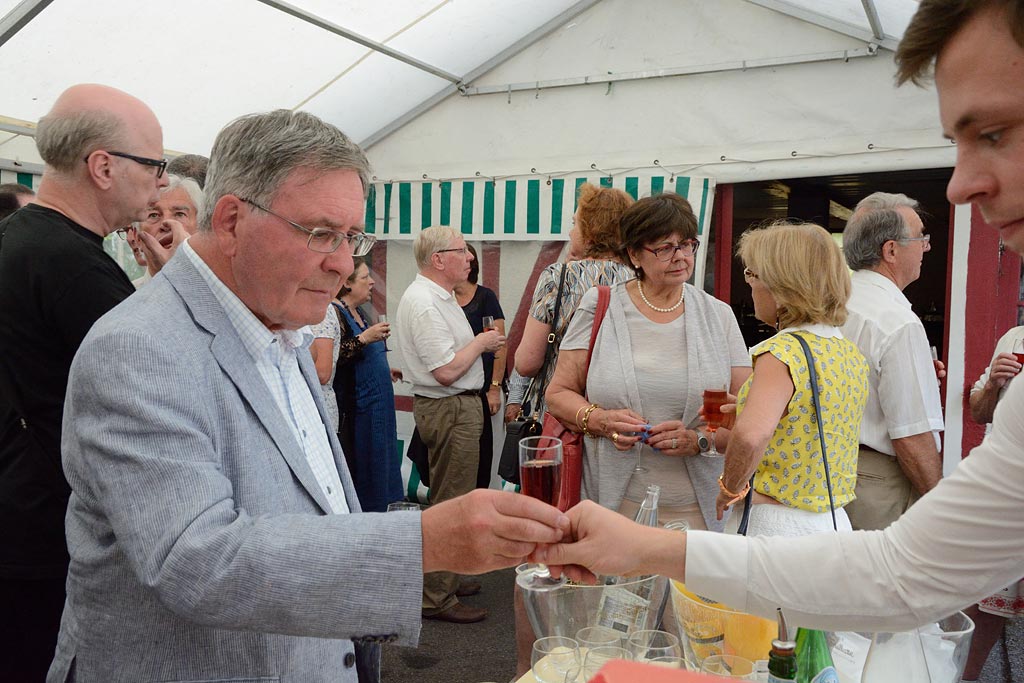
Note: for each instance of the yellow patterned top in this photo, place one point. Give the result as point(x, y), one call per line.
point(791, 469)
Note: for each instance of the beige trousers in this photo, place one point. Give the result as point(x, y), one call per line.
point(450, 429)
point(883, 491)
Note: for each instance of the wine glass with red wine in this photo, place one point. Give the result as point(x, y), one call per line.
point(488, 323)
point(540, 476)
point(713, 400)
point(1018, 350)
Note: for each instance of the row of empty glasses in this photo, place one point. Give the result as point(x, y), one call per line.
point(558, 659)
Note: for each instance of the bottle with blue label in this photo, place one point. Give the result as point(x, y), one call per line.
point(813, 660)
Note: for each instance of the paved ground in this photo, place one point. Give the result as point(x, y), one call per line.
point(474, 653)
point(462, 653)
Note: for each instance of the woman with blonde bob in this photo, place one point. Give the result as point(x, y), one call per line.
point(800, 285)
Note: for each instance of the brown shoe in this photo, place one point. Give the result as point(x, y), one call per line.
point(468, 587)
point(459, 614)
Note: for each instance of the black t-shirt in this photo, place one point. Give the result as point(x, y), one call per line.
point(55, 282)
point(484, 302)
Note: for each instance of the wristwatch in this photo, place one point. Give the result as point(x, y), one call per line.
point(703, 443)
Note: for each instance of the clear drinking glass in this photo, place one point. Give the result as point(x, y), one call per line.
point(540, 476)
point(553, 658)
point(599, 656)
point(644, 645)
point(713, 400)
point(728, 666)
point(488, 321)
point(399, 505)
point(1018, 350)
point(672, 663)
point(598, 636)
point(383, 319)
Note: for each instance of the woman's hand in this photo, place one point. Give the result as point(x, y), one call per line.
point(673, 438)
point(723, 503)
point(396, 375)
point(622, 426)
point(728, 412)
point(512, 411)
point(375, 333)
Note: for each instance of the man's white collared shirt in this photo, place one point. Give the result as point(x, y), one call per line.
point(903, 392)
point(275, 355)
point(431, 328)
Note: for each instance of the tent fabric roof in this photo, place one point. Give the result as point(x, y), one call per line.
point(200, 64)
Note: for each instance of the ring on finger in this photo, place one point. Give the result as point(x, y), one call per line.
point(675, 442)
point(615, 437)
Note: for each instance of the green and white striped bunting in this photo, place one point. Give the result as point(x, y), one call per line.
point(523, 208)
point(29, 179)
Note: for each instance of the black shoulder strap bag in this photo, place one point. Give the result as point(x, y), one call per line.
point(816, 398)
point(524, 426)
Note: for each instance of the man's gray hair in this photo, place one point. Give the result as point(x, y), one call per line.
point(191, 187)
point(432, 240)
point(254, 155)
point(875, 221)
point(65, 140)
point(192, 166)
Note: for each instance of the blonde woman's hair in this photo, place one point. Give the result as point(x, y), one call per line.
point(803, 268)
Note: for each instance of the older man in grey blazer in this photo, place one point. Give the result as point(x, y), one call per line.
point(213, 529)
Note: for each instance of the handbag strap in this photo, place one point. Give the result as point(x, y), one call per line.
point(821, 429)
point(815, 397)
point(604, 296)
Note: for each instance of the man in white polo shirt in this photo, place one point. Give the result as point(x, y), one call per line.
point(442, 360)
point(899, 461)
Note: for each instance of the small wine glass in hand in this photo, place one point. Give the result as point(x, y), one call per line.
point(384, 319)
point(540, 471)
point(713, 400)
point(488, 322)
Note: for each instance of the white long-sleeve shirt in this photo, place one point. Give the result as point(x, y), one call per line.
point(961, 542)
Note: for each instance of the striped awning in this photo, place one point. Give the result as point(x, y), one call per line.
point(522, 208)
point(27, 179)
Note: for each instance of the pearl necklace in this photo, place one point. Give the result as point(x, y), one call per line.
point(682, 295)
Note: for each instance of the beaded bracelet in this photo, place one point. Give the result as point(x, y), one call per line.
point(586, 418)
point(734, 496)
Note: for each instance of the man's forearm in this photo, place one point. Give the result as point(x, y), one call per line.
point(446, 375)
point(920, 460)
point(983, 403)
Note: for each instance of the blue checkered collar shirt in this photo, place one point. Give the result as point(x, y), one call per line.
point(275, 356)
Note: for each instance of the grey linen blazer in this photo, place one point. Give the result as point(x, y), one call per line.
point(201, 546)
point(612, 382)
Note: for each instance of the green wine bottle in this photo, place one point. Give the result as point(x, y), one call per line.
point(813, 661)
point(782, 657)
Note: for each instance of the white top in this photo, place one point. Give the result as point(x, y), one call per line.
point(330, 328)
point(1004, 345)
point(903, 392)
point(952, 548)
point(275, 355)
point(431, 327)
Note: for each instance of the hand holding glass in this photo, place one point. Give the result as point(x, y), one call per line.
point(713, 400)
point(488, 322)
point(540, 471)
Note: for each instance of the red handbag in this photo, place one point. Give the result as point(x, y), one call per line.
point(572, 442)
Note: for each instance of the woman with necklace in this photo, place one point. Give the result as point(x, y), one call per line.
point(661, 344)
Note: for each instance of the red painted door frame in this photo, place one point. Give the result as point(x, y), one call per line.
point(721, 221)
point(993, 291)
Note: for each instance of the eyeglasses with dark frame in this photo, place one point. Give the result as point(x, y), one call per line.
point(749, 275)
point(160, 164)
point(325, 240)
point(461, 250)
point(667, 251)
point(123, 232)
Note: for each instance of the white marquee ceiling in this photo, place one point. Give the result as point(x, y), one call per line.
point(199, 63)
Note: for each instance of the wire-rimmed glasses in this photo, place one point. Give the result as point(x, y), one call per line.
point(325, 240)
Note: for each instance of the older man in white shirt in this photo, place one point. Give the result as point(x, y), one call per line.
point(899, 461)
point(442, 360)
